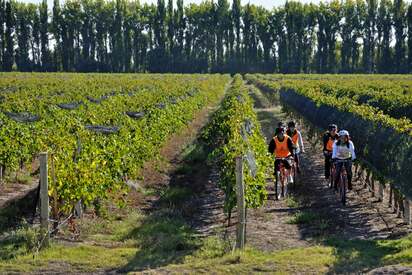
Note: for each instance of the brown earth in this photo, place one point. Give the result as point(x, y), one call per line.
point(363, 217)
point(10, 192)
point(270, 227)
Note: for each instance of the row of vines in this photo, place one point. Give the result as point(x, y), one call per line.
point(98, 128)
point(375, 110)
point(392, 94)
point(235, 131)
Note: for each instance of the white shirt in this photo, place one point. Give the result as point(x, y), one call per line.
point(300, 143)
point(343, 151)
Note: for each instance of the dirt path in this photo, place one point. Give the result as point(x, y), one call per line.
point(11, 192)
point(184, 165)
point(273, 227)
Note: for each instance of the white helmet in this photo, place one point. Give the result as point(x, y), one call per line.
point(343, 133)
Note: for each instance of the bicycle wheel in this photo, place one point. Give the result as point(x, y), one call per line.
point(343, 183)
point(332, 177)
point(277, 183)
point(282, 184)
point(294, 176)
point(286, 184)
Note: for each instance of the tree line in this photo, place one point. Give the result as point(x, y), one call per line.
point(352, 36)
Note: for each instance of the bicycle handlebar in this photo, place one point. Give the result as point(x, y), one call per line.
point(288, 157)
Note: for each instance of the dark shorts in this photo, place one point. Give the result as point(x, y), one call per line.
point(286, 164)
point(344, 165)
point(328, 158)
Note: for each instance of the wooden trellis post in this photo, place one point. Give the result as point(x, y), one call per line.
point(44, 196)
point(241, 209)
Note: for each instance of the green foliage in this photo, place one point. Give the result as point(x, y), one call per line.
point(138, 243)
point(304, 217)
point(383, 142)
point(21, 241)
point(226, 36)
point(392, 94)
point(175, 195)
point(291, 202)
point(224, 135)
point(85, 165)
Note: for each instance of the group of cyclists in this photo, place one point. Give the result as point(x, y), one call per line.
point(338, 150)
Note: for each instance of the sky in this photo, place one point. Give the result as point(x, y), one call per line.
point(266, 3)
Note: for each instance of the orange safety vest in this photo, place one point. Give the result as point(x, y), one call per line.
point(295, 138)
point(329, 145)
point(282, 149)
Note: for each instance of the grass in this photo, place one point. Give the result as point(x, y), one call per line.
point(360, 255)
point(78, 258)
point(132, 243)
point(316, 222)
point(195, 152)
point(110, 229)
point(18, 242)
point(24, 179)
point(148, 191)
point(163, 240)
point(265, 98)
point(332, 256)
point(175, 195)
point(192, 154)
point(252, 261)
point(304, 217)
point(291, 202)
point(15, 213)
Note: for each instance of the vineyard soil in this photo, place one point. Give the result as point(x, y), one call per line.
point(313, 214)
point(174, 222)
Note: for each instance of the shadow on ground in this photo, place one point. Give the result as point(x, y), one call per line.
point(354, 256)
point(18, 211)
point(165, 235)
point(16, 236)
point(353, 231)
point(163, 238)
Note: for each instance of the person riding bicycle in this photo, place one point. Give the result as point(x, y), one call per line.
point(297, 140)
point(282, 147)
point(343, 149)
point(329, 139)
point(281, 125)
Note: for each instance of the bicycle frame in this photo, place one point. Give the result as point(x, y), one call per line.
point(343, 181)
point(281, 176)
point(332, 175)
point(293, 170)
point(332, 172)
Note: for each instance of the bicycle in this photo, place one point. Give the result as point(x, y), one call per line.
point(294, 168)
point(343, 180)
point(280, 178)
point(332, 174)
point(331, 170)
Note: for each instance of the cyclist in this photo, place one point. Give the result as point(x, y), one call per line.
point(281, 125)
point(328, 139)
point(297, 140)
point(282, 147)
point(343, 149)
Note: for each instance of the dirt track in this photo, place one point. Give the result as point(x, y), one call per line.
point(363, 217)
point(271, 228)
